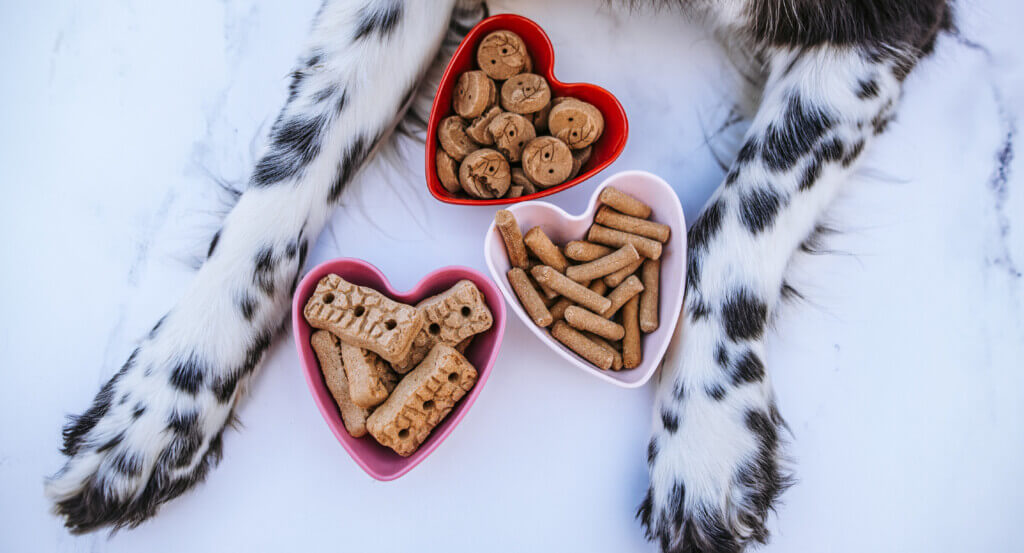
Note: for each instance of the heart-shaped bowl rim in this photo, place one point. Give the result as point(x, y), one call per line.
point(378, 461)
point(667, 209)
point(606, 149)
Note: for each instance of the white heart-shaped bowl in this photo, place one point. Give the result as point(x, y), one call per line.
point(562, 227)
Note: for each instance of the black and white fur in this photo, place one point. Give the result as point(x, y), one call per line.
point(831, 72)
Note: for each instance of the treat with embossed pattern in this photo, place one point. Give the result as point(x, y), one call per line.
point(474, 93)
point(370, 378)
point(449, 318)
point(328, 352)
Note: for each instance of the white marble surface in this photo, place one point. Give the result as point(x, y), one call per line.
point(900, 375)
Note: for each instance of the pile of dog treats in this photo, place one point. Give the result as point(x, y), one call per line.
point(495, 146)
point(598, 306)
point(395, 370)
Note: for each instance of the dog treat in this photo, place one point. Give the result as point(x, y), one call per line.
point(477, 129)
point(507, 225)
point(646, 247)
point(421, 400)
point(617, 277)
point(624, 203)
point(547, 161)
point(529, 297)
point(558, 308)
point(511, 132)
point(540, 119)
point(328, 352)
point(370, 378)
point(575, 122)
point(502, 54)
point(598, 286)
point(582, 319)
point(363, 317)
point(632, 355)
point(649, 275)
point(603, 265)
point(474, 93)
point(449, 318)
point(583, 346)
point(525, 93)
point(448, 171)
point(545, 249)
point(579, 159)
point(514, 191)
point(633, 225)
point(519, 178)
point(621, 294)
point(485, 174)
point(451, 133)
point(579, 250)
point(570, 289)
point(616, 354)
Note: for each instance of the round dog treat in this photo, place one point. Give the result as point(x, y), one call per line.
point(502, 54)
point(624, 203)
point(574, 122)
point(525, 93)
point(648, 248)
point(579, 159)
point(621, 294)
point(511, 132)
point(451, 133)
point(547, 161)
point(485, 174)
point(582, 319)
point(519, 178)
point(649, 274)
point(477, 130)
point(580, 344)
point(617, 277)
point(507, 225)
point(603, 265)
point(545, 249)
point(610, 218)
point(474, 93)
point(540, 119)
point(447, 171)
point(632, 352)
point(570, 289)
point(528, 297)
point(579, 250)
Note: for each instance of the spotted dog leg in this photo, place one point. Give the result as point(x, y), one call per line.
point(714, 457)
point(155, 428)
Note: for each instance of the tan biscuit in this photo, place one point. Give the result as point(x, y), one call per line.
point(579, 250)
point(451, 133)
point(502, 54)
point(547, 161)
point(624, 203)
point(598, 286)
point(570, 289)
point(548, 293)
point(447, 171)
point(634, 225)
point(519, 178)
point(525, 93)
point(616, 354)
point(540, 119)
point(646, 247)
point(477, 130)
point(363, 317)
point(545, 249)
point(474, 93)
point(603, 265)
point(328, 352)
point(529, 297)
point(508, 227)
point(575, 122)
point(579, 159)
point(511, 133)
point(589, 321)
point(557, 309)
point(514, 191)
point(632, 352)
point(370, 378)
point(622, 274)
point(650, 275)
point(422, 400)
point(485, 174)
point(448, 318)
point(583, 346)
point(621, 294)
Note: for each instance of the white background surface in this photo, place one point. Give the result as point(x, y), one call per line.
point(900, 375)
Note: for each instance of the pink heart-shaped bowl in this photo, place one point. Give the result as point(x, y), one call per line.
point(562, 227)
point(378, 461)
point(605, 150)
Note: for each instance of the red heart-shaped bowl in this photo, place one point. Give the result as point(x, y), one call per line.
point(605, 150)
point(378, 461)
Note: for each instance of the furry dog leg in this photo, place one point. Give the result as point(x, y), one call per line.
point(155, 428)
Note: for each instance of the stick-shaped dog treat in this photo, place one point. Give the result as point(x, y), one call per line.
point(624, 203)
point(648, 248)
point(617, 355)
point(370, 378)
point(558, 309)
point(570, 289)
point(545, 249)
point(632, 352)
point(617, 277)
point(598, 286)
point(529, 297)
point(621, 294)
point(582, 319)
point(650, 275)
point(603, 265)
point(612, 219)
point(513, 238)
point(582, 345)
point(328, 352)
point(580, 250)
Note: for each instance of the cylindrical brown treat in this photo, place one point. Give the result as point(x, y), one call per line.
point(646, 247)
point(519, 178)
point(502, 54)
point(528, 297)
point(624, 203)
point(545, 249)
point(451, 133)
point(583, 346)
point(447, 171)
point(511, 132)
point(559, 307)
point(547, 161)
point(632, 353)
point(477, 130)
point(603, 265)
point(540, 119)
point(579, 250)
point(525, 93)
point(598, 286)
point(575, 122)
point(508, 227)
point(635, 225)
point(474, 93)
point(622, 274)
point(570, 289)
point(621, 294)
point(650, 275)
point(485, 174)
point(579, 159)
point(514, 191)
point(617, 359)
point(591, 322)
